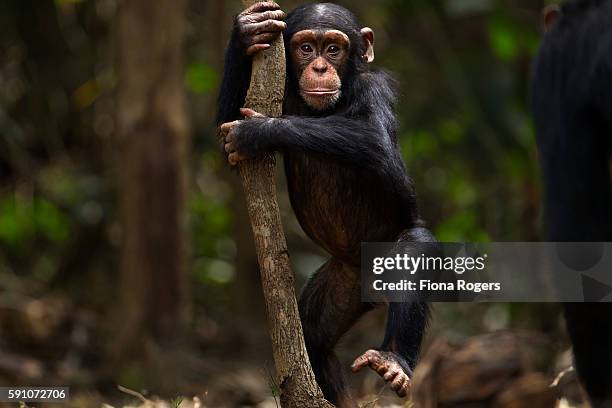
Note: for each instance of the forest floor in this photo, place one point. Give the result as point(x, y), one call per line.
point(231, 366)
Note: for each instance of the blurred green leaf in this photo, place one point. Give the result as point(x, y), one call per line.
point(201, 78)
point(15, 223)
point(461, 227)
point(463, 192)
point(50, 222)
point(418, 143)
point(503, 40)
point(451, 130)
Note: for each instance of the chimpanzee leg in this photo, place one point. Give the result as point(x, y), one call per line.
point(578, 208)
point(329, 305)
point(407, 321)
point(406, 324)
point(590, 329)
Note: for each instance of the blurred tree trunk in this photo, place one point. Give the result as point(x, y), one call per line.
point(153, 153)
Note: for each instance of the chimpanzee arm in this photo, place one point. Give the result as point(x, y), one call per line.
point(236, 79)
point(348, 140)
point(254, 29)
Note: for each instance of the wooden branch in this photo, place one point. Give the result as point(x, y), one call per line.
point(500, 369)
point(296, 379)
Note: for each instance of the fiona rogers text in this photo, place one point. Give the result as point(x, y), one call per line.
point(428, 285)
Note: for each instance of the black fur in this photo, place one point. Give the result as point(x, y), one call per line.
point(236, 80)
point(347, 184)
point(572, 106)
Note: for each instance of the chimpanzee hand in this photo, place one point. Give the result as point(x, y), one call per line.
point(235, 142)
point(259, 24)
point(389, 366)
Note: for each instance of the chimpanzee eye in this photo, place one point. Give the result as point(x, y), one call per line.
point(333, 49)
point(306, 48)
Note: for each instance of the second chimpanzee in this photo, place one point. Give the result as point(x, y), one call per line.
point(346, 178)
point(572, 105)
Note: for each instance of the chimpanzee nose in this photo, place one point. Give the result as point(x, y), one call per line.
point(319, 66)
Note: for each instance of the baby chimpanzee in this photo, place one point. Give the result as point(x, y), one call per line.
point(345, 175)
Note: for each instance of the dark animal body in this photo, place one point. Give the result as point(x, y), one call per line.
point(572, 106)
point(346, 178)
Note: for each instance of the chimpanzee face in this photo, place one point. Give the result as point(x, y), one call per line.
point(326, 48)
point(319, 58)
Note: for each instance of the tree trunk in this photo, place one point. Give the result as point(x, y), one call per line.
point(295, 377)
point(152, 132)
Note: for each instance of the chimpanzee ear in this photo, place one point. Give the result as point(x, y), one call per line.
point(550, 14)
point(368, 39)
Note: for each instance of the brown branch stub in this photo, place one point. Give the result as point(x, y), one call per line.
point(502, 369)
point(265, 95)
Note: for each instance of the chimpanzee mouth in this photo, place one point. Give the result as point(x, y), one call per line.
point(321, 99)
point(321, 92)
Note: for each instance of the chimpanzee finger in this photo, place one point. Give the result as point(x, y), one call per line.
point(403, 390)
point(264, 38)
point(266, 26)
point(260, 6)
point(381, 369)
point(229, 148)
point(359, 363)
point(247, 22)
point(250, 14)
point(364, 360)
point(231, 158)
point(255, 48)
point(389, 375)
point(234, 158)
point(250, 113)
point(226, 127)
point(278, 15)
point(397, 383)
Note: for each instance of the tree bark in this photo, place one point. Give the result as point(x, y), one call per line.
point(152, 139)
point(296, 379)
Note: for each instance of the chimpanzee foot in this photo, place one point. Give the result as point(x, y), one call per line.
point(387, 365)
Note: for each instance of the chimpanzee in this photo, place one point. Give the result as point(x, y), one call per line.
point(346, 179)
point(572, 106)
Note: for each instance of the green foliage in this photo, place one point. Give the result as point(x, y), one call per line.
point(274, 388)
point(503, 40)
point(461, 227)
point(509, 39)
point(50, 222)
point(201, 78)
point(210, 220)
point(23, 219)
point(15, 226)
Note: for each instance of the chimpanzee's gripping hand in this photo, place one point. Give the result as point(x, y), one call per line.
point(239, 145)
point(259, 25)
